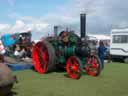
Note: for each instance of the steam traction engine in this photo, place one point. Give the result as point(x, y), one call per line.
point(69, 51)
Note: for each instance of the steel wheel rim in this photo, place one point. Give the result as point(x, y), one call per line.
point(92, 66)
point(72, 68)
point(40, 57)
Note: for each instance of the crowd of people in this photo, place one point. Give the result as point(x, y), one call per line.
point(23, 52)
point(22, 49)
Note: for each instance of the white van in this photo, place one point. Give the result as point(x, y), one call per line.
point(119, 44)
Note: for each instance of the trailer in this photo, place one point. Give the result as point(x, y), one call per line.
point(119, 44)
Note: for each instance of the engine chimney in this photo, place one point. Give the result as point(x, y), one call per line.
point(55, 31)
point(83, 25)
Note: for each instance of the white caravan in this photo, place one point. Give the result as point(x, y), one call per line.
point(119, 44)
point(98, 38)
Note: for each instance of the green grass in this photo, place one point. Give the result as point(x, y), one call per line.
point(113, 81)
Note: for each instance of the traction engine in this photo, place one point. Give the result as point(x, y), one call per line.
point(67, 51)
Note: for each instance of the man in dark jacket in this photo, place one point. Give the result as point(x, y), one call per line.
point(101, 51)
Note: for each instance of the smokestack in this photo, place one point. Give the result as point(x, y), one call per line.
point(55, 31)
point(83, 25)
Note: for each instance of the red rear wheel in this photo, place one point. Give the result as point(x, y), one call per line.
point(43, 57)
point(92, 66)
point(40, 57)
point(73, 67)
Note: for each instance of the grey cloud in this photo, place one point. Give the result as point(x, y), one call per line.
point(103, 15)
point(114, 12)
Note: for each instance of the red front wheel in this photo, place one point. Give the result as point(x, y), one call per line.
point(73, 67)
point(92, 66)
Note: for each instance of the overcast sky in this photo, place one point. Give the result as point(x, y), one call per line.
point(41, 15)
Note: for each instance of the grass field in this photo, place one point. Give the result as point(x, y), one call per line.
point(113, 81)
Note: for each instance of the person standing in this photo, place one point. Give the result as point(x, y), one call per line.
point(2, 51)
point(101, 52)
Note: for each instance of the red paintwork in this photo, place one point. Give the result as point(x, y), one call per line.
point(72, 68)
point(40, 57)
point(92, 66)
